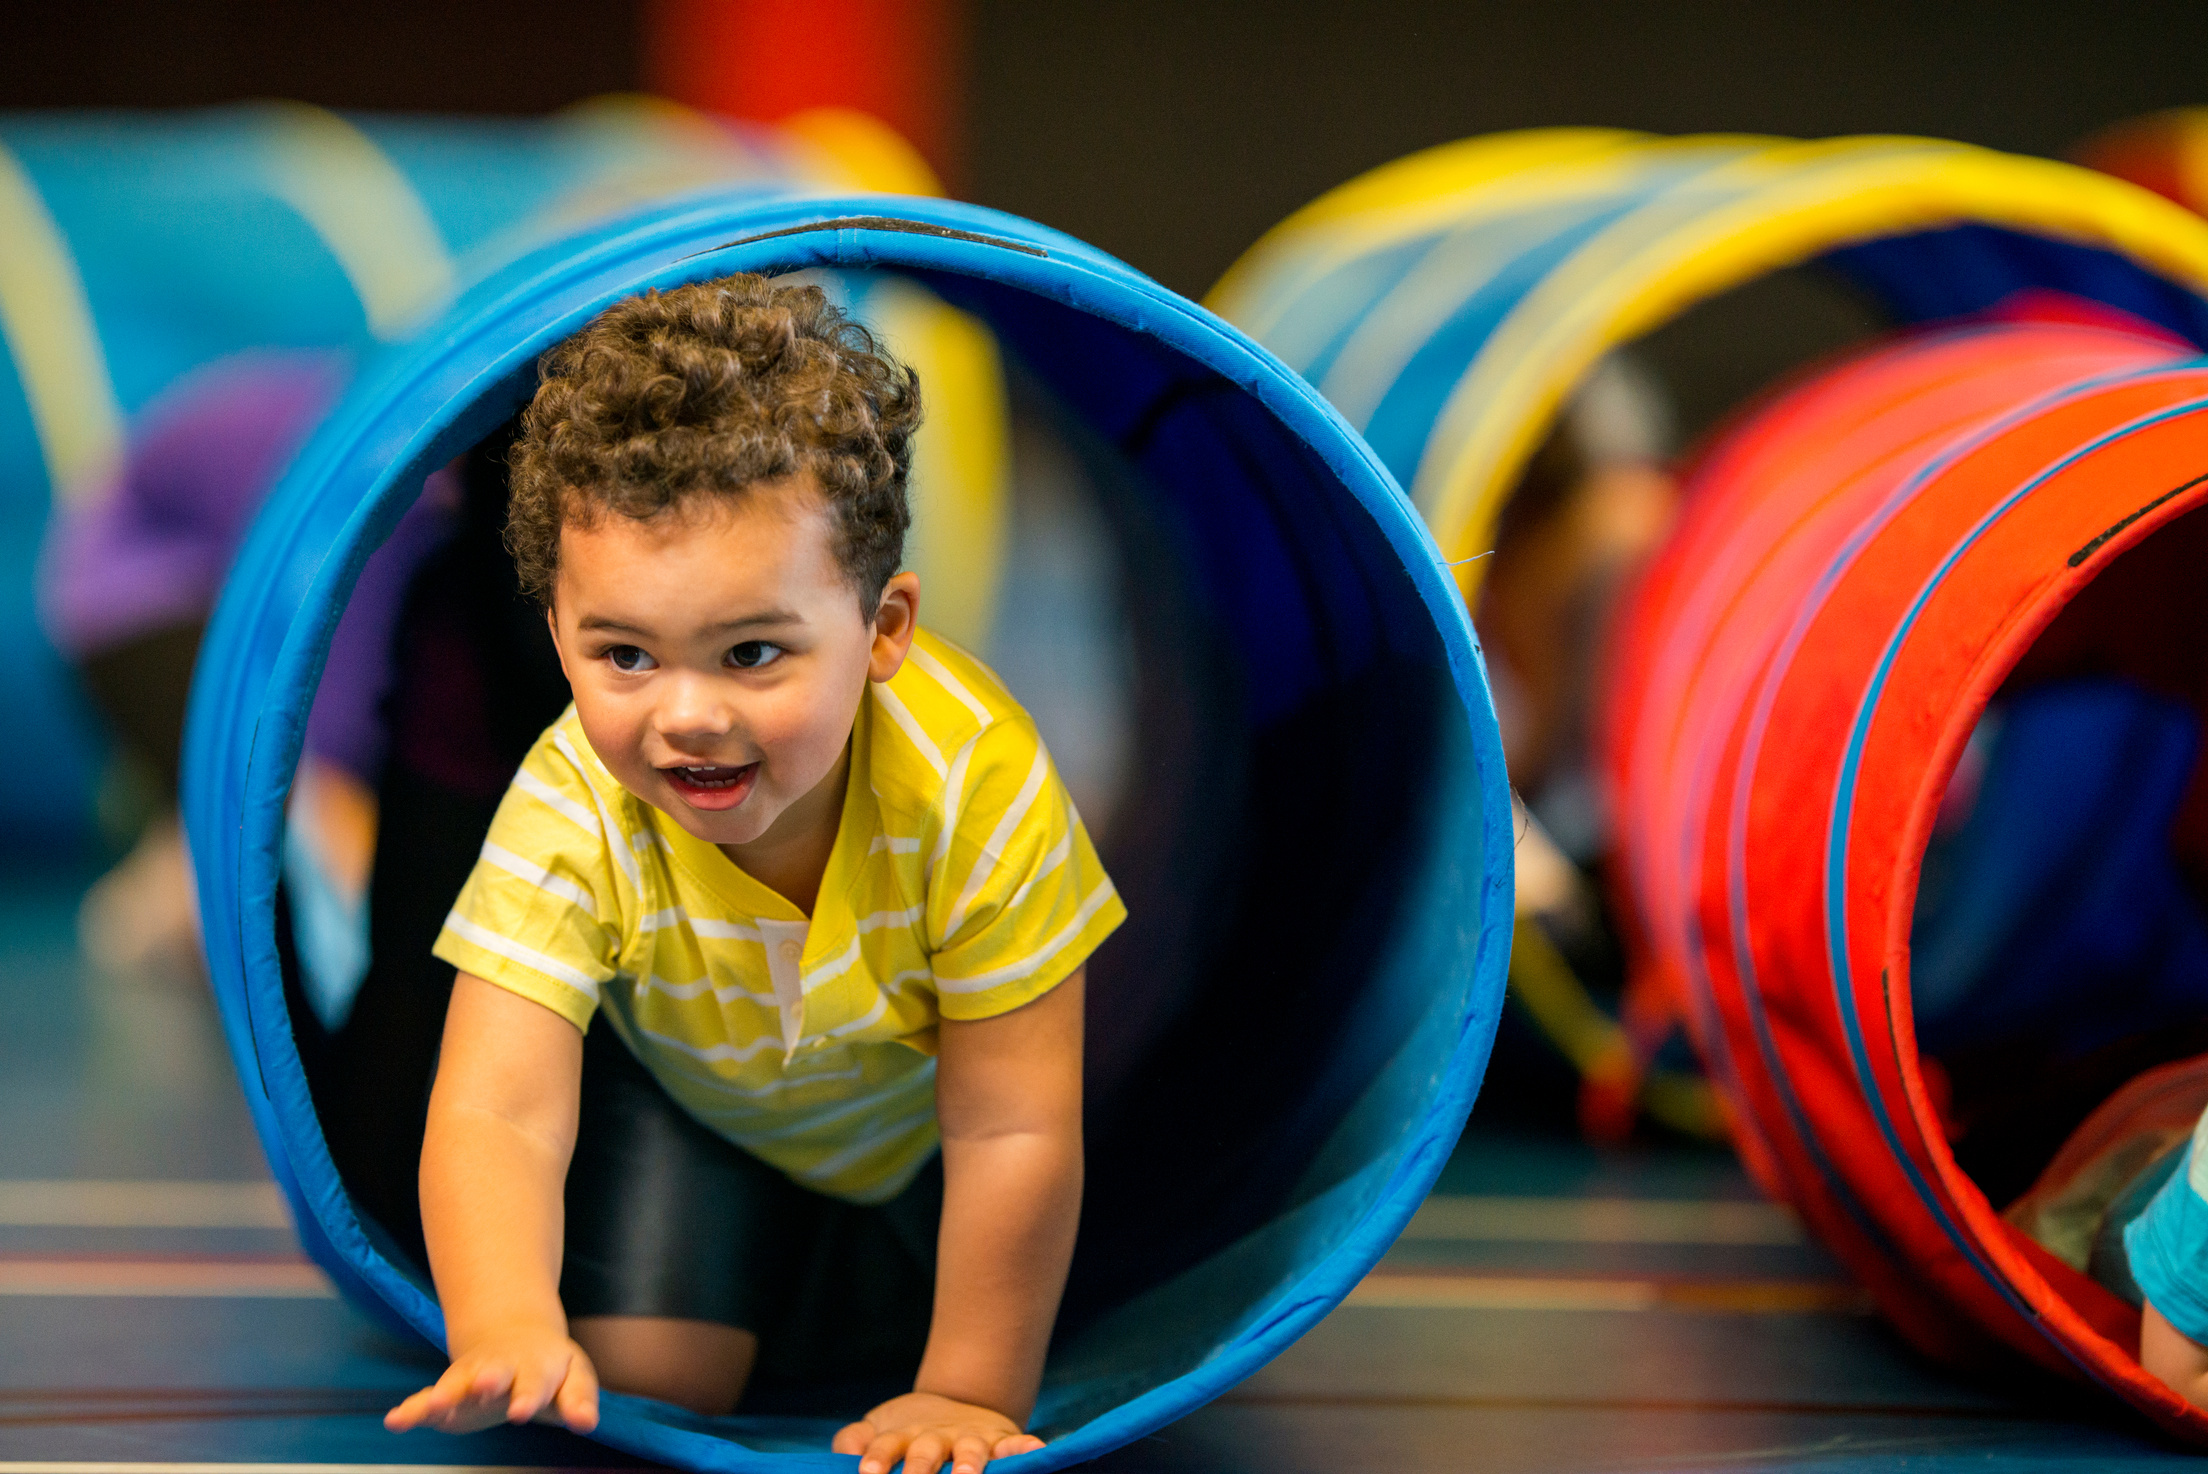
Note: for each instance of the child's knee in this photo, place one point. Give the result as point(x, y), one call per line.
point(693, 1364)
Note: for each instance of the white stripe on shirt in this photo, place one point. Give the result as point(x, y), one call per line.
point(557, 802)
point(544, 880)
point(908, 724)
point(885, 1134)
point(814, 1119)
point(879, 919)
point(950, 683)
point(717, 1053)
point(992, 850)
point(781, 1083)
point(835, 967)
point(950, 801)
point(623, 854)
point(674, 918)
point(863, 1021)
point(512, 951)
point(727, 931)
point(722, 992)
point(1058, 855)
point(982, 982)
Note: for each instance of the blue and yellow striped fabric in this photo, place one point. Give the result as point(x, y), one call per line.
point(1450, 302)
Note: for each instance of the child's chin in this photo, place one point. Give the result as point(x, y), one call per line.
point(739, 825)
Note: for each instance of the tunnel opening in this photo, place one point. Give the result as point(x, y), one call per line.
point(2059, 939)
point(1303, 822)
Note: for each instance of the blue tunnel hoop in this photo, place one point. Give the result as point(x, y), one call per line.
point(1412, 1061)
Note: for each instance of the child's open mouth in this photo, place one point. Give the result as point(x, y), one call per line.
point(713, 787)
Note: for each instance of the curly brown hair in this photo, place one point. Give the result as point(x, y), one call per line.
point(706, 390)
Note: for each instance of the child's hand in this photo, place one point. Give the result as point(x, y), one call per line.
point(926, 1431)
point(507, 1378)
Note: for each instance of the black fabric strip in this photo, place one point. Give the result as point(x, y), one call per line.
point(2095, 546)
point(878, 222)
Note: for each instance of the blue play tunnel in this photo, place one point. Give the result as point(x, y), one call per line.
point(1316, 849)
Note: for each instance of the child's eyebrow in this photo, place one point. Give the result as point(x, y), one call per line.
point(764, 617)
point(748, 621)
point(601, 622)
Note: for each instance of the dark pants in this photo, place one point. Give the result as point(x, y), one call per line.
point(666, 1218)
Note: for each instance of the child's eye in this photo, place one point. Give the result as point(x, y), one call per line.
point(752, 654)
point(628, 659)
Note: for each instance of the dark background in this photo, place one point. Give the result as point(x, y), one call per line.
point(1173, 132)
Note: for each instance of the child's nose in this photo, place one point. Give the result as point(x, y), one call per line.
point(692, 707)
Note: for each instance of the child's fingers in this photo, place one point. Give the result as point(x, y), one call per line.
point(577, 1399)
point(434, 1403)
point(465, 1397)
point(969, 1454)
point(925, 1454)
point(410, 1413)
point(886, 1449)
point(532, 1389)
point(1015, 1443)
point(852, 1438)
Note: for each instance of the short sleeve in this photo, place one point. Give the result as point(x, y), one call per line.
point(1017, 898)
point(2168, 1247)
point(539, 915)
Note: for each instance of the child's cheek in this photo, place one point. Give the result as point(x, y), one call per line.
point(801, 734)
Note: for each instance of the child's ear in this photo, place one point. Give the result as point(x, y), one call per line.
point(896, 620)
point(552, 623)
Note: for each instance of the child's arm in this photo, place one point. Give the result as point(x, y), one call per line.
point(2177, 1361)
point(1008, 1096)
point(494, 1165)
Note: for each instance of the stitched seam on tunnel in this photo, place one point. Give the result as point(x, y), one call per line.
point(512, 951)
point(2101, 538)
point(1837, 841)
point(876, 222)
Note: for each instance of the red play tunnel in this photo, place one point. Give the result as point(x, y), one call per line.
point(1979, 539)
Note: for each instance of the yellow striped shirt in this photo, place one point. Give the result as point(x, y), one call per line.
point(961, 886)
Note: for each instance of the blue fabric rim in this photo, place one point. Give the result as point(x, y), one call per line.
point(271, 630)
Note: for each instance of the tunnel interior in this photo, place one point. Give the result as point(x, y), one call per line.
point(1293, 815)
point(2059, 944)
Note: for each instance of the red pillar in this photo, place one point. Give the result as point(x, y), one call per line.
point(903, 61)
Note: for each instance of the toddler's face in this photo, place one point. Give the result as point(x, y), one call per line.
point(718, 655)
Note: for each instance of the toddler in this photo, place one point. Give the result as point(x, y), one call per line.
point(812, 875)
